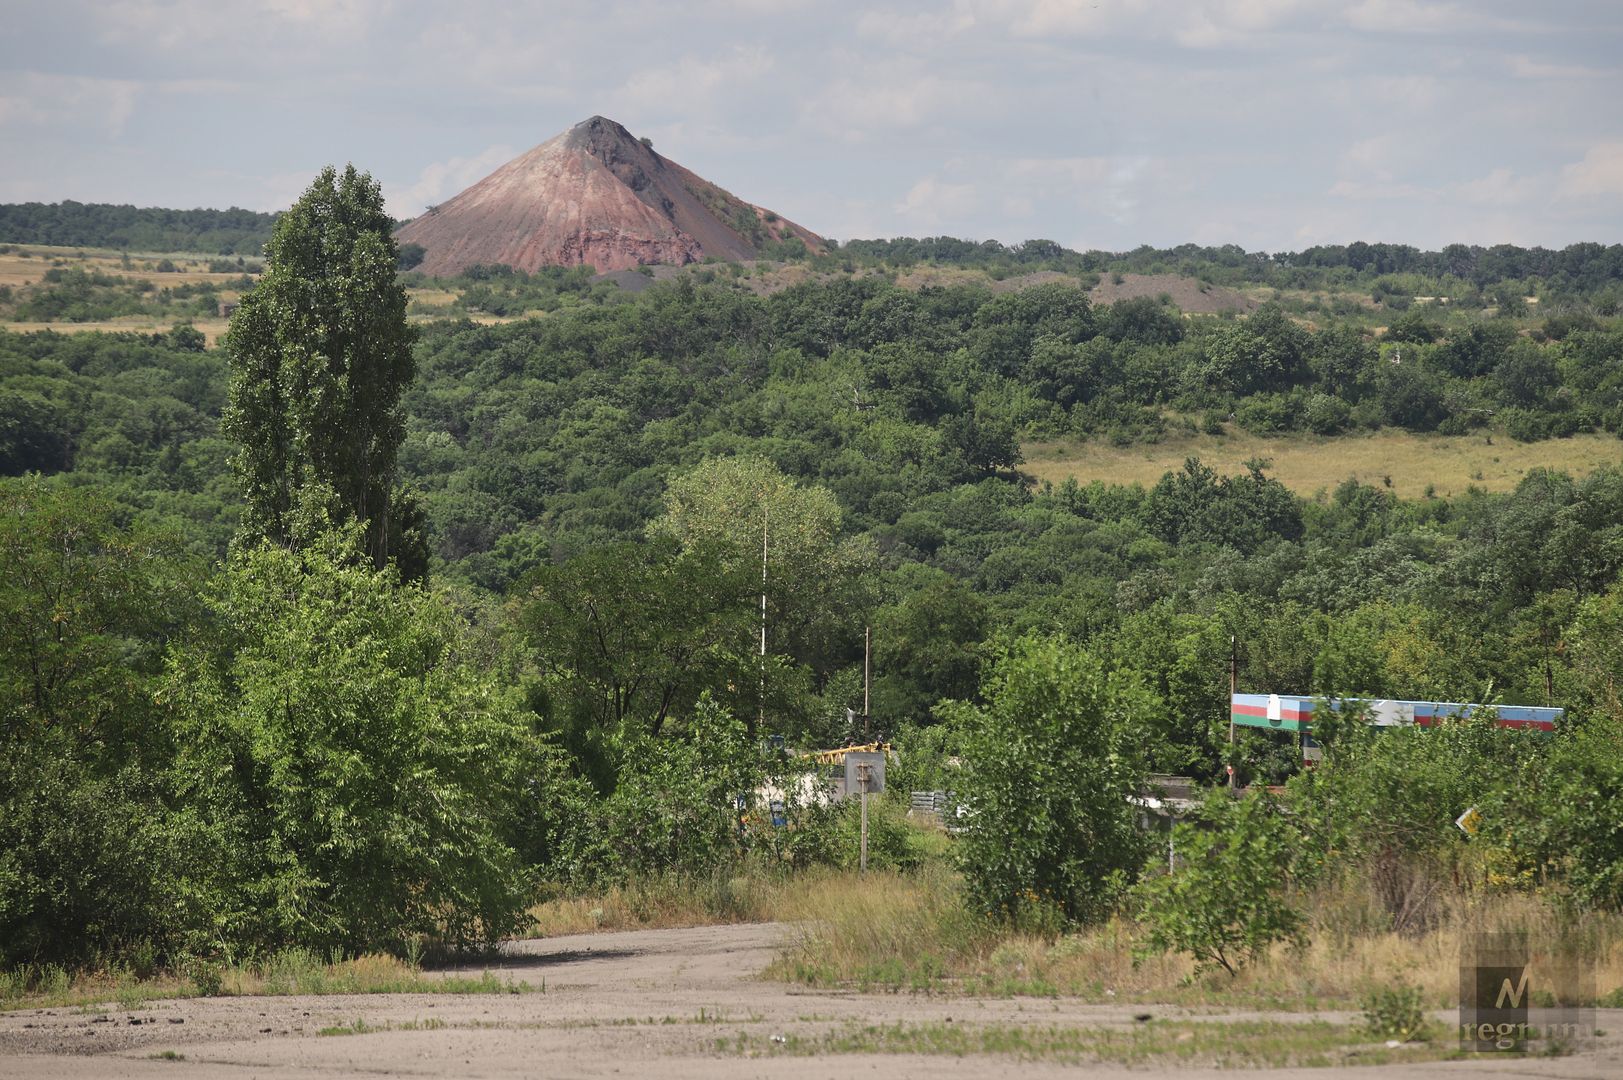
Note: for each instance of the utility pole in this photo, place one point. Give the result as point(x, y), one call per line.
point(1234, 666)
point(864, 771)
point(761, 722)
point(867, 670)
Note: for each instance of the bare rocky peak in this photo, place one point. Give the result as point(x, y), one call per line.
point(593, 195)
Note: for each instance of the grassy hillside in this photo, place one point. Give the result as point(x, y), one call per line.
point(1407, 463)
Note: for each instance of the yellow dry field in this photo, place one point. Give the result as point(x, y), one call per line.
point(1309, 465)
point(431, 297)
point(28, 263)
point(129, 324)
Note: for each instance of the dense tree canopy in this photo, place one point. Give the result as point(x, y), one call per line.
point(321, 355)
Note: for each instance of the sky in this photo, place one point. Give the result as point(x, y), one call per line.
point(1271, 124)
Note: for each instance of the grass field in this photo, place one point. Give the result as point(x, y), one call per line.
point(129, 324)
point(27, 264)
point(1406, 462)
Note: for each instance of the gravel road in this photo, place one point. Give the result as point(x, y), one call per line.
point(640, 1003)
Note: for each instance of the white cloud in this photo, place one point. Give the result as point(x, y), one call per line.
point(1525, 67)
point(441, 180)
point(174, 24)
point(933, 204)
point(67, 101)
point(1501, 187)
point(1113, 186)
point(1364, 190)
point(1599, 173)
point(691, 82)
point(1408, 16)
point(1216, 25)
point(912, 29)
point(855, 110)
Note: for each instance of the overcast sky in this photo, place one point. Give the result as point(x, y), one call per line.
point(1272, 124)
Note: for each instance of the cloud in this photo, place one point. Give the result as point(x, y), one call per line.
point(1525, 67)
point(1111, 185)
point(692, 82)
point(1364, 190)
point(1217, 25)
point(855, 110)
point(67, 101)
point(1204, 25)
point(931, 203)
point(171, 22)
point(1501, 187)
point(441, 180)
point(913, 29)
point(1599, 173)
point(1408, 16)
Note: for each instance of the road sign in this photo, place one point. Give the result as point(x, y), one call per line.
point(1470, 821)
point(864, 772)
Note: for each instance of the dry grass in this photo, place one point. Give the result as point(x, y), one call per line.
point(896, 932)
point(1183, 1043)
point(212, 329)
point(1309, 465)
point(748, 893)
point(28, 262)
point(295, 971)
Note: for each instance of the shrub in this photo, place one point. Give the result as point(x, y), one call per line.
point(1228, 899)
point(1048, 766)
point(362, 778)
point(1326, 415)
point(1395, 1012)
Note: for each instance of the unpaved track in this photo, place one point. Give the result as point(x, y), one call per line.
point(643, 1003)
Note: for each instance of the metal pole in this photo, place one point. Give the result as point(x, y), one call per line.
point(1234, 663)
point(864, 819)
point(761, 723)
point(867, 652)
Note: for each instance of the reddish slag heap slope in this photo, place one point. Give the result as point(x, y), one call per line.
point(595, 196)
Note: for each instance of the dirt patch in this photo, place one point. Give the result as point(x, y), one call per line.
point(1030, 281)
point(666, 1003)
point(1187, 293)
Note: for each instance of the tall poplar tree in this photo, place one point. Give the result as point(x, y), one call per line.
point(320, 354)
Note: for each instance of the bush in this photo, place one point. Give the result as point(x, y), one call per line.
point(362, 779)
point(832, 835)
point(674, 808)
point(1228, 899)
point(1395, 1012)
point(1326, 415)
point(1048, 766)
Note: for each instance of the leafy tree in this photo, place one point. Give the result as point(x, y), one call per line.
point(1244, 512)
point(1228, 899)
point(92, 857)
point(320, 356)
point(362, 772)
point(674, 808)
point(811, 573)
point(1048, 765)
point(635, 632)
point(927, 648)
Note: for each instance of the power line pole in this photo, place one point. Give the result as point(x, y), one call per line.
point(1234, 666)
point(761, 721)
point(867, 652)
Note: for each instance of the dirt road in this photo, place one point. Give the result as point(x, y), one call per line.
point(645, 1003)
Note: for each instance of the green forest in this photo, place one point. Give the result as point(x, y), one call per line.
point(352, 631)
point(104, 225)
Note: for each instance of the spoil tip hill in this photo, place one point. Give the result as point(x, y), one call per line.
point(595, 196)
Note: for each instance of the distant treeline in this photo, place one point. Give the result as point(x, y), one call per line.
point(103, 225)
point(1586, 267)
